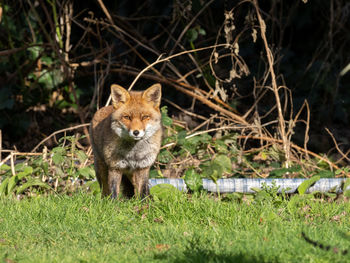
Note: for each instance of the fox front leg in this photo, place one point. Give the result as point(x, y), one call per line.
point(114, 180)
point(140, 182)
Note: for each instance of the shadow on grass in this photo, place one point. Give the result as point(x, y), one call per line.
point(210, 256)
point(200, 251)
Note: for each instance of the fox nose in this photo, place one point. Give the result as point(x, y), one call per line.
point(136, 132)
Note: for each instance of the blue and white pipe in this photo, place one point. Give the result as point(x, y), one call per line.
point(244, 185)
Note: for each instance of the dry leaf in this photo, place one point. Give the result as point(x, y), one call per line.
point(162, 246)
point(158, 219)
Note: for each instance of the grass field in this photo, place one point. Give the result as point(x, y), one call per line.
point(84, 228)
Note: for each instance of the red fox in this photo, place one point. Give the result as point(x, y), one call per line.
point(126, 139)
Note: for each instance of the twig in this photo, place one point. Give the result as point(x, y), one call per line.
point(275, 88)
point(159, 60)
point(188, 26)
point(212, 105)
point(105, 10)
point(185, 111)
point(12, 164)
point(59, 131)
point(202, 132)
point(204, 123)
point(336, 145)
point(202, 99)
point(14, 153)
point(334, 166)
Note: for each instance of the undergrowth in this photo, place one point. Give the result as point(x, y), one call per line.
point(214, 155)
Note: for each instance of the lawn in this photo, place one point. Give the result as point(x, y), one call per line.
point(179, 228)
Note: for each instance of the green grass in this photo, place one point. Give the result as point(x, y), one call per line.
point(84, 228)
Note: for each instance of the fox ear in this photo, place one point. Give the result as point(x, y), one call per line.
point(153, 94)
point(119, 95)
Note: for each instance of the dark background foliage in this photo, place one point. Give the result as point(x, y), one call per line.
point(52, 80)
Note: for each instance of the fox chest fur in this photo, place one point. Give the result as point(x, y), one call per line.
point(124, 152)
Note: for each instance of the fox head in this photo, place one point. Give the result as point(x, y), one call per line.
point(136, 114)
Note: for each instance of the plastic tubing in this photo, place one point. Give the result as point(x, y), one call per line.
point(244, 185)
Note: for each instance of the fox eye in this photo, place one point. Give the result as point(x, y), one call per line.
point(127, 117)
point(145, 117)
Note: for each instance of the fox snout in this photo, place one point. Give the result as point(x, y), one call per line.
point(136, 134)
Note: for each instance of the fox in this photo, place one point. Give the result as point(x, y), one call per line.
point(126, 138)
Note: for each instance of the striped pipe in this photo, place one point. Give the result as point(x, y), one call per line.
point(243, 185)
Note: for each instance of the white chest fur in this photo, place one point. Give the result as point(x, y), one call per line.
point(132, 154)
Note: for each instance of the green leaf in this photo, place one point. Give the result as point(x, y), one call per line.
point(166, 120)
point(164, 156)
point(192, 34)
point(57, 158)
point(5, 167)
point(81, 156)
point(3, 186)
point(26, 171)
point(325, 174)
point(33, 182)
point(217, 171)
point(193, 180)
point(181, 137)
point(93, 186)
point(50, 79)
point(153, 173)
point(307, 184)
point(58, 155)
point(220, 147)
point(213, 170)
point(164, 191)
point(59, 172)
point(280, 172)
point(225, 162)
point(201, 31)
point(34, 52)
point(346, 185)
point(45, 167)
point(20, 167)
point(87, 172)
point(12, 183)
point(256, 189)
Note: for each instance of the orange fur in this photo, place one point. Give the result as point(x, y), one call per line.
point(126, 139)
